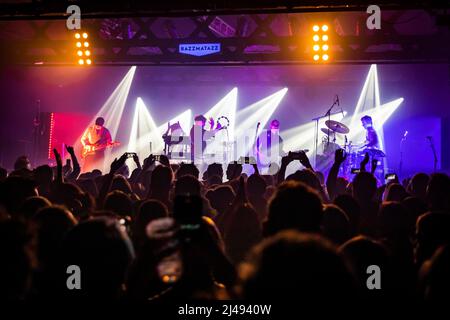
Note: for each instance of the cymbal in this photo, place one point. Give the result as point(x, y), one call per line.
point(375, 153)
point(337, 126)
point(327, 131)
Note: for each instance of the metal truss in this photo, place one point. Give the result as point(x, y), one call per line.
point(253, 40)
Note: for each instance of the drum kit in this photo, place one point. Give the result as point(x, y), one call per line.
point(334, 131)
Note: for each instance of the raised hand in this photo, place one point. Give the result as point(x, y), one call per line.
point(304, 160)
point(374, 165)
point(211, 122)
point(148, 162)
point(364, 163)
point(339, 156)
point(163, 159)
point(70, 149)
point(285, 161)
point(118, 163)
point(57, 158)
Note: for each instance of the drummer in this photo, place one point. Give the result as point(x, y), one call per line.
point(372, 141)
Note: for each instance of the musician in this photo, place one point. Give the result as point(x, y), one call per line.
point(372, 141)
point(199, 135)
point(95, 138)
point(272, 147)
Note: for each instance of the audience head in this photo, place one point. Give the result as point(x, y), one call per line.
point(161, 179)
point(432, 231)
point(148, 211)
point(335, 224)
point(364, 187)
point(435, 277)
point(120, 183)
point(256, 186)
point(3, 174)
point(120, 203)
point(394, 221)
point(291, 264)
point(294, 206)
point(186, 169)
point(214, 169)
point(234, 170)
point(17, 260)
point(21, 163)
point(418, 185)
point(307, 177)
point(363, 252)
point(52, 224)
point(43, 175)
point(32, 205)
point(438, 192)
point(351, 208)
point(395, 192)
point(103, 252)
point(187, 185)
point(14, 191)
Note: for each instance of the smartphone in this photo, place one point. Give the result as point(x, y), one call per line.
point(131, 154)
point(247, 160)
point(157, 157)
point(390, 177)
point(355, 170)
point(170, 268)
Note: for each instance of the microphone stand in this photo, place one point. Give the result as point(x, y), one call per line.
point(316, 134)
point(400, 165)
point(430, 139)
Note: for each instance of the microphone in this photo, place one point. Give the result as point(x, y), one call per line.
point(337, 100)
point(346, 139)
point(259, 123)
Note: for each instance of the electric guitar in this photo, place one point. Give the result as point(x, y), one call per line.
point(89, 150)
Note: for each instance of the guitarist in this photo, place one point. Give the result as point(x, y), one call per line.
point(95, 139)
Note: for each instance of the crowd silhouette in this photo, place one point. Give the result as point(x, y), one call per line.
point(167, 231)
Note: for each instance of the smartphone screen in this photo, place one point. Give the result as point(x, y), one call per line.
point(390, 177)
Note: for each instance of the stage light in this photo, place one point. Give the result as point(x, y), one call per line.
point(82, 43)
point(258, 112)
point(369, 104)
point(320, 37)
point(226, 107)
point(81, 61)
